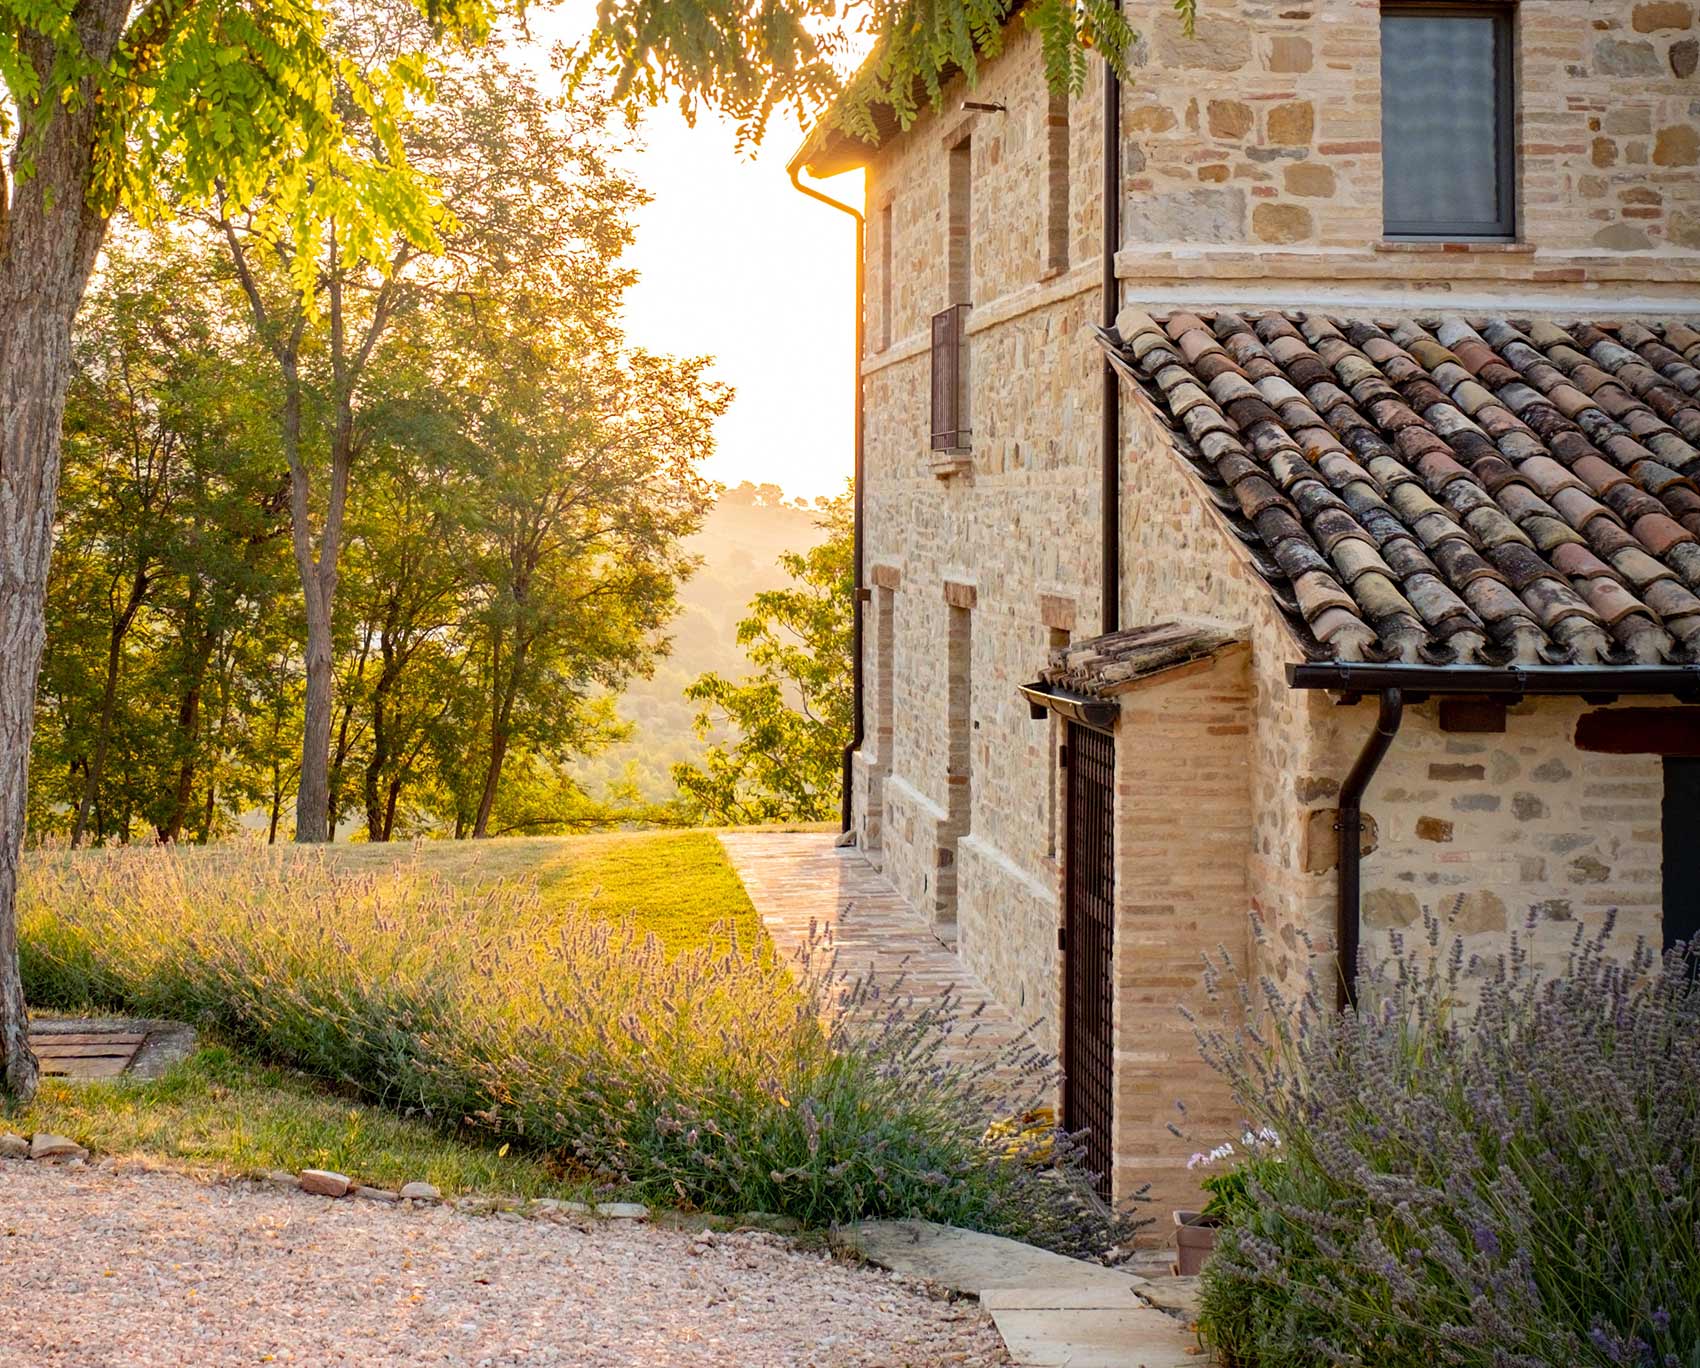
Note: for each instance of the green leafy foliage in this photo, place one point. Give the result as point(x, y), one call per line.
point(791, 717)
point(515, 483)
point(751, 57)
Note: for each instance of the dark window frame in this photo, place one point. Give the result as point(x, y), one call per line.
point(1504, 227)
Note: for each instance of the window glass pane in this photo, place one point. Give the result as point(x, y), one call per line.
point(1439, 124)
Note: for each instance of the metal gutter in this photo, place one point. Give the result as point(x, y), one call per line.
point(1349, 827)
point(1094, 712)
point(1517, 681)
point(858, 592)
point(1110, 533)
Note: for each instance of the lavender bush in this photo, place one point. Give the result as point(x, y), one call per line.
point(1513, 1184)
point(706, 1079)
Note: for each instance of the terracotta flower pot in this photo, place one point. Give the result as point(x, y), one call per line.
point(1195, 1237)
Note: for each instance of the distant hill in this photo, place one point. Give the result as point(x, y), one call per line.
point(740, 545)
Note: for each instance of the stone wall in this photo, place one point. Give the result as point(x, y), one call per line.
point(1252, 153)
point(1014, 520)
point(1495, 828)
point(1265, 127)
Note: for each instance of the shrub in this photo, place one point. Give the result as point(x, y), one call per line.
point(704, 1078)
point(1510, 1184)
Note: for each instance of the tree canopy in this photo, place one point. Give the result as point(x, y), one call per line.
point(780, 731)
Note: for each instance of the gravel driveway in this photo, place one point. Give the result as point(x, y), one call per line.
point(138, 1269)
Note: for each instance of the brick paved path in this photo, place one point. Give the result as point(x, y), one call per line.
point(797, 879)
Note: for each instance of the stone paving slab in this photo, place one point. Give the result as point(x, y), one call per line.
point(803, 886)
point(1092, 1337)
point(978, 1264)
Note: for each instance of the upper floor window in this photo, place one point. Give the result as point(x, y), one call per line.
point(1447, 141)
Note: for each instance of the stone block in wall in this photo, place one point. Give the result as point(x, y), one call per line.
point(1220, 44)
point(1192, 216)
point(959, 594)
point(1056, 611)
point(1322, 842)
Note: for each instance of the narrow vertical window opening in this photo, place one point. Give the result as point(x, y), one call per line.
point(1059, 638)
point(885, 647)
point(1057, 228)
point(961, 223)
point(959, 755)
point(887, 284)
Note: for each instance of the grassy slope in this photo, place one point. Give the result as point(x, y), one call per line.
point(221, 1112)
point(678, 884)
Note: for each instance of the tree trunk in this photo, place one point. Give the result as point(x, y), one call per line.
point(108, 702)
point(188, 724)
point(377, 827)
point(48, 241)
point(313, 794)
point(501, 727)
point(390, 802)
point(339, 756)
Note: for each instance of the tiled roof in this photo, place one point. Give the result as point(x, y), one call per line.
point(1113, 663)
point(1440, 492)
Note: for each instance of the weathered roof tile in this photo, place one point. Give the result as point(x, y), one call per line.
point(1450, 490)
point(1108, 665)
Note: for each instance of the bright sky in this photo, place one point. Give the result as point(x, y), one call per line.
point(736, 264)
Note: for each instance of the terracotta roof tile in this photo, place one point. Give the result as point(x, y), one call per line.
point(1446, 490)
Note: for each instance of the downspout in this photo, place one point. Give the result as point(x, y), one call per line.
point(1347, 908)
point(795, 168)
point(1110, 517)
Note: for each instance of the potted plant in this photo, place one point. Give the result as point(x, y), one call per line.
point(1195, 1237)
point(1229, 1197)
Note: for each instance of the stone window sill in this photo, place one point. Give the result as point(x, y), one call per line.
point(945, 464)
point(1443, 246)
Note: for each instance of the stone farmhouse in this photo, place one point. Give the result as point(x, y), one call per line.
point(1278, 479)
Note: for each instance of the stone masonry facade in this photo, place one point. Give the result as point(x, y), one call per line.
point(1251, 175)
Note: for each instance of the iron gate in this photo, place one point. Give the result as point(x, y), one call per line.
point(1089, 930)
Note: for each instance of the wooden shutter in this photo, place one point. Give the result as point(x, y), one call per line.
point(950, 432)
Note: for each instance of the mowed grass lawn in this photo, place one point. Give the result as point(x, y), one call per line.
point(222, 1111)
point(677, 884)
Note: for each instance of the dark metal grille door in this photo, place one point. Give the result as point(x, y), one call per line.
point(1089, 911)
